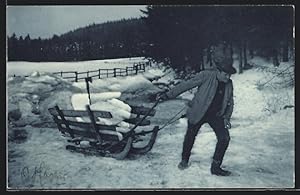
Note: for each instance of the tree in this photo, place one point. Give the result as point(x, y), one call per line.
point(272, 31)
point(178, 35)
point(12, 45)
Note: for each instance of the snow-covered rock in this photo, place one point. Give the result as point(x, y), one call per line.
point(33, 95)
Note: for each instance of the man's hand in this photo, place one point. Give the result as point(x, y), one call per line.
point(227, 123)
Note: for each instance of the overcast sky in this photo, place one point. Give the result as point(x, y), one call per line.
point(45, 21)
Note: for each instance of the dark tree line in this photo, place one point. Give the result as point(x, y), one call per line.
point(123, 38)
point(184, 35)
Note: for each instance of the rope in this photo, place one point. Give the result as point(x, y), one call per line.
point(135, 126)
point(169, 122)
point(146, 132)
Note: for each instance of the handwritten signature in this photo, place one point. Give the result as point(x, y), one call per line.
point(43, 175)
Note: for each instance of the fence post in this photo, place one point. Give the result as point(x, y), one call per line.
point(61, 73)
point(87, 80)
point(76, 76)
point(144, 67)
point(99, 73)
point(115, 72)
point(136, 69)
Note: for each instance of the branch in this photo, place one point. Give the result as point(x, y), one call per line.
point(276, 75)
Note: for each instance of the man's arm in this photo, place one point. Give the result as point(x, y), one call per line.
point(186, 85)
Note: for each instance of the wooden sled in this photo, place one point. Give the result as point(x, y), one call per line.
point(92, 138)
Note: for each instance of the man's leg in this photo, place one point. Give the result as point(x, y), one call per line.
point(223, 138)
point(188, 143)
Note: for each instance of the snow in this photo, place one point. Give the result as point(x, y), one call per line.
point(120, 84)
point(255, 101)
point(260, 153)
point(79, 102)
point(116, 111)
point(119, 104)
point(104, 102)
point(20, 68)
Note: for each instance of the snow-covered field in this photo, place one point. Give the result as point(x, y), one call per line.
point(260, 153)
point(25, 68)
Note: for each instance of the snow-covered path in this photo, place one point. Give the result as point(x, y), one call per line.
point(260, 156)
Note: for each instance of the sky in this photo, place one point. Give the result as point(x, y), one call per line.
point(45, 21)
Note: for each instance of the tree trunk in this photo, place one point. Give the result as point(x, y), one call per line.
point(231, 51)
point(240, 59)
point(275, 57)
point(285, 54)
point(245, 53)
point(202, 67)
point(251, 53)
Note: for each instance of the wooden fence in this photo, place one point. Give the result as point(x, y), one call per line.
point(104, 73)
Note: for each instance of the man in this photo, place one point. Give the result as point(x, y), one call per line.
point(212, 104)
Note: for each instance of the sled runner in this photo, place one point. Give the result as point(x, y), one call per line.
point(97, 139)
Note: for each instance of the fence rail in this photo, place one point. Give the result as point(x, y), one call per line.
point(104, 73)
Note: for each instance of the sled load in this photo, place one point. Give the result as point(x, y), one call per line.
point(90, 136)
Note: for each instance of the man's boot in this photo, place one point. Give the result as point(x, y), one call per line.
point(216, 169)
point(183, 164)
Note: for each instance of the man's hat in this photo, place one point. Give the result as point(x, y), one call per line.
point(222, 57)
point(225, 65)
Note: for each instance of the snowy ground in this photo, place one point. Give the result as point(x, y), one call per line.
point(260, 154)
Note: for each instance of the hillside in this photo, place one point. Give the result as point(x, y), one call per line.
point(115, 39)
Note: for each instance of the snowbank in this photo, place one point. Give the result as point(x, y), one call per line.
point(33, 95)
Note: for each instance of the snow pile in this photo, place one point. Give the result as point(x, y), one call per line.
point(135, 89)
point(79, 101)
point(131, 84)
point(30, 97)
point(106, 101)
